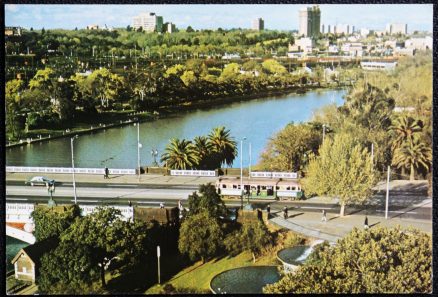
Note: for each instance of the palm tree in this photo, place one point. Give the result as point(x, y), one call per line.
point(224, 146)
point(203, 150)
point(413, 154)
point(405, 129)
point(180, 154)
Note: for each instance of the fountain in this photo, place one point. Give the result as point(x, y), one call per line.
point(293, 257)
point(244, 280)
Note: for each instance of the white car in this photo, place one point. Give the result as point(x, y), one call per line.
point(40, 180)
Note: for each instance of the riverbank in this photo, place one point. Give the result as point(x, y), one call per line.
point(126, 117)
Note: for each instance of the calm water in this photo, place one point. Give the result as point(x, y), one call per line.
point(257, 120)
point(12, 247)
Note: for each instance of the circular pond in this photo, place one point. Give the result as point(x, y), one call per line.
point(249, 280)
point(294, 255)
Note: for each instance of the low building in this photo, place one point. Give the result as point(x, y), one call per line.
point(27, 262)
point(425, 43)
point(163, 216)
point(378, 65)
point(93, 27)
point(304, 44)
point(354, 49)
point(404, 52)
point(12, 31)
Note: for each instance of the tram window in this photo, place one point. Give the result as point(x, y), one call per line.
point(293, 188)
point(288, 188)
point(224, 186)
point(263, 187)
point(277, 188)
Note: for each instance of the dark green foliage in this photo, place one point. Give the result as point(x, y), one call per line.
point(207, 200)
point(52, 222)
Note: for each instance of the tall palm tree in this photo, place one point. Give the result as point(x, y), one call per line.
point(203, 150)
point(405, 129)
point(223, 145)
point(412, 155)
point(180, 154)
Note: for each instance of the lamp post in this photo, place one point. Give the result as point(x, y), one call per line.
point(323, 133)
point(249, 168)
point(241, 172)
point(73, 166)
point(138, 149)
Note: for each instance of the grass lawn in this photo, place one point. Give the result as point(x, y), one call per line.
point(197, 277)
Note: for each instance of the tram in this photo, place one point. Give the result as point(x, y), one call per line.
point(259, 188)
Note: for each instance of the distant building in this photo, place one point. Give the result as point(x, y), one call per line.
point(304, 44)
point(425, 43)
point(354, 49)
point(378, 65)
point(258, 24)
point(364, 32)
point(169, 27)
point(150, 22)
point(93, 27)
point(310, 21)
point(397, 29)
point(12, 31)
point(343, 29)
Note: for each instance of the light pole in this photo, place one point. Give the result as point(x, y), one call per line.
point(387, 194)
point(241, 172)
point(323, 133)
point(249, 168)
point(138, 149)
point(73, 166)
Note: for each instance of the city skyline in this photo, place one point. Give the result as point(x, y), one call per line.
point(212, 16)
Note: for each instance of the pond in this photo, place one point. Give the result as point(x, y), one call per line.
point(295, 255)
point(257, 120)
point(245, 280)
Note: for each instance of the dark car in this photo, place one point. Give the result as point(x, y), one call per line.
point(40, 181)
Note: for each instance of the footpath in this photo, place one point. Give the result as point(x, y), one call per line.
point(336, 227)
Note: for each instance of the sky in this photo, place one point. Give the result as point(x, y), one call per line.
point(209, 16)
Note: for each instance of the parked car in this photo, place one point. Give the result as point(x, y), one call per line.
point(40, 181)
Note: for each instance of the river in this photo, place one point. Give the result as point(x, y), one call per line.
point(257, 120)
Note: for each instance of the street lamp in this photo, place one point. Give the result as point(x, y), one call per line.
point(73, 166)
point(139, 146)
point(323, 132)
point(241, 171)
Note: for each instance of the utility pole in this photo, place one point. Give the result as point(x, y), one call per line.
point(158, 258)
point(241, 172)
point(323, 133)
point(73, 167)
point(387, 194)
point(138, 149)
point(249, 168)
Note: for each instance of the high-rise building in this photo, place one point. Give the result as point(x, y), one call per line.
point(310, 21)
point(258, 24)
point(169, 27)
point(149, 21)
point(397, 28)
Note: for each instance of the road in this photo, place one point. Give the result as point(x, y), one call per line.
point(401, 203)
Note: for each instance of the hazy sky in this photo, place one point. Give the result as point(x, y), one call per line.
point(278, 16)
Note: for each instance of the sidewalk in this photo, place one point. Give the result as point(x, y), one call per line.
point(120, 179)
point(310, 224)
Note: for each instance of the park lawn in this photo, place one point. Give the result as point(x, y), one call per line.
point(198, 276)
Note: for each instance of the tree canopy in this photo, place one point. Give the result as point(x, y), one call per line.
point(377, 260)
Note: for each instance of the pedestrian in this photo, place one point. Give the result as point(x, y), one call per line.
point(106, 172)
point(161, 205)
point(268, 209)
point(130, 204)
point(365, 224)
point(285, 212)
point(180, 204)
point(324, 216)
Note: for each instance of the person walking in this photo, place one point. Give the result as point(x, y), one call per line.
point(161, 205)
point(106, 172)
point(268, 210)
point(130, 204)
point(285, 213)
point(324, 216)
point(365, 224)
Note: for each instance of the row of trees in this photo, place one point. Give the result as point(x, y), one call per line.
point(204, 153)
point(56, 96)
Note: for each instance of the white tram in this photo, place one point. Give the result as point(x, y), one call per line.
point(261, 188)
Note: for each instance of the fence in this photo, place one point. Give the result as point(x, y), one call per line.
point(127, 211)
point(19, 212)
point(274, 174)
point(68, 170)
point(193, 172)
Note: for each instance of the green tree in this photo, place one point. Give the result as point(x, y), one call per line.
point(223, 145)
point(208, 200)
point(203, 150)
point(53, 221)
point(230, 72)
point(289, 149)
point(253, 236)
point(13, 104)
point(378, 260)
point(273, 67)
point(200, 236)
point(105, 85)
point(343, 169)
point(405, 129)
point(180, 154)
point(413, 155)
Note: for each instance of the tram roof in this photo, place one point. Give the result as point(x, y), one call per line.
point(258, 181)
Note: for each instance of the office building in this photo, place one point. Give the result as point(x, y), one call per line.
point(258, 24)
point(310, 21)
point(397, 29)
point(149, 21)
point(342, 29)
point(169, 27)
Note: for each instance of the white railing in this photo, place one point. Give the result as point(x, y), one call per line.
point(193, 172)
point(127, 211)
point(68, 170)
point(19, 212)
point(268, 174)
